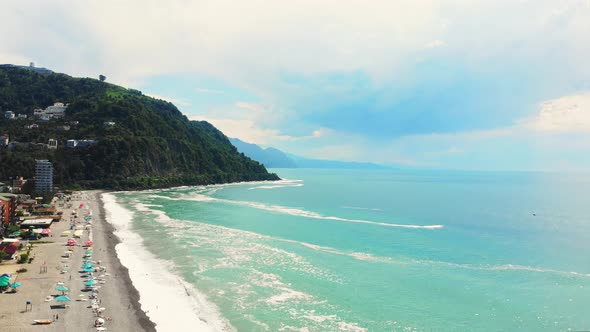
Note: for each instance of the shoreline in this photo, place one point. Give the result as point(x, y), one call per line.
point(156, 284)
point(112, 240)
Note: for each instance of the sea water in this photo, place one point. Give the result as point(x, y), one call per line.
point(351, 250)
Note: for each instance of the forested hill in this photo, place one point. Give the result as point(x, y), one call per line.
point(151, 144)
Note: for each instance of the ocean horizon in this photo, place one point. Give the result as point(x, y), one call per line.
point(354, 250)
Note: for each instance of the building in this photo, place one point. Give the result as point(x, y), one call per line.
point(58, 110)
point(52, 144)
point(108, 123)
point(8, 207)
point(73, 143)
point(4, 211)
point(9, 114)
point(4, 140)
point(17, 184)
point(22, 116)
point(43, 176)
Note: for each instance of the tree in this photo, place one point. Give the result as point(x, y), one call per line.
point(102, 77)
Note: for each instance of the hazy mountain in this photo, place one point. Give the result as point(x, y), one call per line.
point(274, 158)
point(270, 157)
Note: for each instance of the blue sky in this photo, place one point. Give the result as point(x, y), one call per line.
point(487, 85)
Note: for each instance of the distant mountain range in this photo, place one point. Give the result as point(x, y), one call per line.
point(274, 158)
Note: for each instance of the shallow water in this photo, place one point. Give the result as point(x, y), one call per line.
point(336, 250)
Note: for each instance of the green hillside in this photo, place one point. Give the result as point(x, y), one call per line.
point(151, 145)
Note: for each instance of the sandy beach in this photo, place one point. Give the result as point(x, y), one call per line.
point(116, 293)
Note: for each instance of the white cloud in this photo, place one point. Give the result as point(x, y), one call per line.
point(175, 101)
point(206, 90)
point(250, 106)
point(563, 115)
point(247, 130)
point(435, 44)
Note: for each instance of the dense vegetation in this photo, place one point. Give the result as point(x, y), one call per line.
point(151, 145)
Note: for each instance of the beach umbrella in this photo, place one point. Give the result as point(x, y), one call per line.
point(62, 298)
point(90, 283)
point(4, 280)
point(89, 270)
point(15, 284)
point(61, 288)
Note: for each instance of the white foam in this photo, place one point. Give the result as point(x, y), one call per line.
point(297, 212)
point(361, 208)
point(281, 184)
point(169, 302)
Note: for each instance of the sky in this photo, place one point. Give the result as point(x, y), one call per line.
point(454, 84)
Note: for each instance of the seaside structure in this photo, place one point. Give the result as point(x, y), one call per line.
point(44, 176)
point(4, 140)
point(9, 114)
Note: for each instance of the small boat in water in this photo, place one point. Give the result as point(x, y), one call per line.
point(43, 321)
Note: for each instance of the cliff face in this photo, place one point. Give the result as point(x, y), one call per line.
point(142, 142)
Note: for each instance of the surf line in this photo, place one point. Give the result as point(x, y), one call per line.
point(300, 212)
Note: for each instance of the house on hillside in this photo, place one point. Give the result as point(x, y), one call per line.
point(58, 110)
point(9, 114)
point(52, 144)
point(73, 143)
point(4, 140)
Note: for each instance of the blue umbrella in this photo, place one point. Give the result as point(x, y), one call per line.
point(62, 298)
point(87, 266)
point(15, 284)
point(61, 288)
point(90, 283)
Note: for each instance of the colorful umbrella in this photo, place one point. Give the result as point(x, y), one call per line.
point(15, 284)
point(90, 283)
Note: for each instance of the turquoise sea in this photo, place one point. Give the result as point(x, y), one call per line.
point(351, 250)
